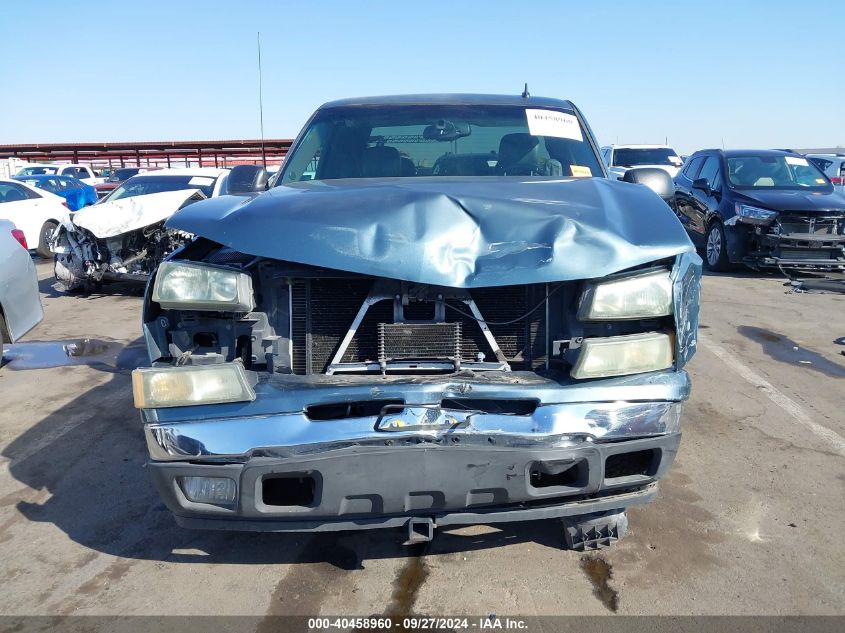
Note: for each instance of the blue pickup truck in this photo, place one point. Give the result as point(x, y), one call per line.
point(361, 342)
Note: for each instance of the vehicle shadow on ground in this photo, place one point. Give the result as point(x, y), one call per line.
point(50, 288)
point(83, 468)
point(746, 273)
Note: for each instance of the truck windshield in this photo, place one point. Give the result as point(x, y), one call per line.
point(441, 140)
point(630, 156)
point(776, 172)
point(144, 185)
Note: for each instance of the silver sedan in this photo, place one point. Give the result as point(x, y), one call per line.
point(20, 302)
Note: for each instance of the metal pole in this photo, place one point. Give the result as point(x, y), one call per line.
point(261, 104)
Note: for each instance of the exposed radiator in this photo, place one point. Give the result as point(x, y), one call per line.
point(324, 309)
point(418, 340)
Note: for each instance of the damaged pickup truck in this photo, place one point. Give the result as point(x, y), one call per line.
point(366, 345)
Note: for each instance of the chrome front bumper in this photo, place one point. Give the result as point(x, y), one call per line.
point(276, 423)
point(567, 457)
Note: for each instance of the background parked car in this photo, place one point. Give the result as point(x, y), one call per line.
point(75, 192)
point(20, 302)
point(81, 172)
point(833, 166)
point(620, 158)
point(35, 211)
point(118, 176)
point(763, 208)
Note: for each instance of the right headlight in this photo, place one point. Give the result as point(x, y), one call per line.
point(159, 387)
point(186, 286)
point(640, 296)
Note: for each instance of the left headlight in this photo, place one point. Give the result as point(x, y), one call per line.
point(643, 296)
point(187, 286)
point(747, 212)
point(621, 355)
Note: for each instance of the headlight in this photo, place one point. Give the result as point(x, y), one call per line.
point(754, 213)
point(158, 387)
point(620, 355)
point(636, 297)
point(199, 287)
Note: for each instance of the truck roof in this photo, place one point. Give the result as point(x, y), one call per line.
point(452, 99)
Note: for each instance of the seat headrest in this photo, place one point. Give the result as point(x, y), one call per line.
point(381, 162)
point(408, 168)
point(519, 149)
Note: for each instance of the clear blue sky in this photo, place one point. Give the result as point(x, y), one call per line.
point(755, 73)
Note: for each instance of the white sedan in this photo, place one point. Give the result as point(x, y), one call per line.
point(34, 211)
point(20, 303)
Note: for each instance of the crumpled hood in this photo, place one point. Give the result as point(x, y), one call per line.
point(795, 200)
point(108, 219)
point(456, 232)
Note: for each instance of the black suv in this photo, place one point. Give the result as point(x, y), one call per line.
point(762, 208)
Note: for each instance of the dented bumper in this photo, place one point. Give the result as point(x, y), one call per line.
point(578, 448)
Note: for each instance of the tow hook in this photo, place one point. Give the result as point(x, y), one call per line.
point(420, 530)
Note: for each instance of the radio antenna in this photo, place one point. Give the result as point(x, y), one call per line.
point(525, 93)
point(261, 105)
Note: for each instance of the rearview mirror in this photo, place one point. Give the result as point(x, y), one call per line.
point(655, 179)
point(446, 131)
point(246, 180)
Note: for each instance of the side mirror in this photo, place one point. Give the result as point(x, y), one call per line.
point(655, 179)
point(246, 180)
point(703, 185)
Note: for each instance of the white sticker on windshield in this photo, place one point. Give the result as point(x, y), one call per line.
point(551, 123)
point(794, 160)
point(201, 181)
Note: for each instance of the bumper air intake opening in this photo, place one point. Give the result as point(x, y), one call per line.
point(488, 405)
point(289, 490)
point(559, 474)
point(636, 463)
point(344, 410)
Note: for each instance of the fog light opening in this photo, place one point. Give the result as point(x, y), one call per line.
point(568, 474)
point(637, 463)
point(289, 489)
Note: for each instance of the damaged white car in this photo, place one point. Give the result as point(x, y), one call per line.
point(123, 237)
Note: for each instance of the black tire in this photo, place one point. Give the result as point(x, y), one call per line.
point(715, 248)
point(46, 232)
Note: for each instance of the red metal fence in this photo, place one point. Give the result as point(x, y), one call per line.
point(159, 153)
